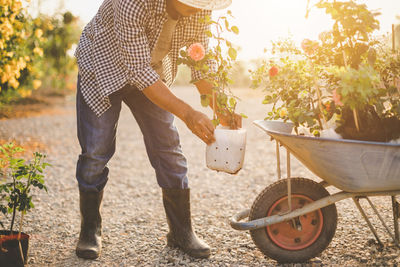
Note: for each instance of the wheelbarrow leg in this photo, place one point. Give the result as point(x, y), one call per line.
point(395, 206)
point(357, 202)
point(382, 221)
point(278, 161)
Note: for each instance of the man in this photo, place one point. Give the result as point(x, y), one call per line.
point(127, 53)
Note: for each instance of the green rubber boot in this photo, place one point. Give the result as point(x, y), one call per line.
point(89, 244)
point(177, 208)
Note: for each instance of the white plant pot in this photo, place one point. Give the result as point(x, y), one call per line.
point(227, 152)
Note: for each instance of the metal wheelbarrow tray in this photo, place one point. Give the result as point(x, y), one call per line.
point(295, 219)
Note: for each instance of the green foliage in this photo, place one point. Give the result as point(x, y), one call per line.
point(33, 51)
point(18, 177)
point(349, 40)
point(20, 50)
point(61, 32)
point(358, 87)
point(290, 86)
point(346, 72)
point(223, 55)
point(388, 65)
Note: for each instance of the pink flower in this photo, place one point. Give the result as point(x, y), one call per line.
point(309, 46)
point(327, 106)
point(196, 51)
point(273, 71)
point(305, 44)
point(336, 98)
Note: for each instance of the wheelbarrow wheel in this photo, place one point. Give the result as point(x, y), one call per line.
point(301, 238)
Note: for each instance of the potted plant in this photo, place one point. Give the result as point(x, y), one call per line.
point(345, 85)
point(18, 177)
point(290, 87)
point(227, 152)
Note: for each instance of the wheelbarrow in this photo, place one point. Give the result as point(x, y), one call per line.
point(295, 219)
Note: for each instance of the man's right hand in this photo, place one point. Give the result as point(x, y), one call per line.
point(200, 125)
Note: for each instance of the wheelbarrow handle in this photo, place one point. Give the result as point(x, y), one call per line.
point(235, 221)
point(318, 204)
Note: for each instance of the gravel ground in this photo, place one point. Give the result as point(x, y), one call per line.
point(134, 224)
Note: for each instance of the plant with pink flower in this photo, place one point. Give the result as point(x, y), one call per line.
point(196, 51)
point(221, 57)
point(290, 90)
point(347, 78)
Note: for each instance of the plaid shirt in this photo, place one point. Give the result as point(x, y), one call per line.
point(115, 48)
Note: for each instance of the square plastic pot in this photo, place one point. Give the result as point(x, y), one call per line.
point(227, 152)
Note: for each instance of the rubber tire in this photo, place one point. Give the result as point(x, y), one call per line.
point(273, 193)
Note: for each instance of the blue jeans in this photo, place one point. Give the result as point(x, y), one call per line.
point(97, 137)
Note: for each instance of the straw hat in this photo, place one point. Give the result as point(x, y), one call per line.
point(207, 4)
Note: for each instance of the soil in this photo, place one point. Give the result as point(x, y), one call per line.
point(372, 127)
point(33, 106)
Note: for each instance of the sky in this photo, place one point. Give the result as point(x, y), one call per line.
point(259, 21)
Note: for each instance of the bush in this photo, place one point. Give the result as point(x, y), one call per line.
point(61, 31)
point(33, 51)
point(20, 50)
point(347, 80)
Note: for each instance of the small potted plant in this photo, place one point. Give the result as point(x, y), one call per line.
point(345, 85)
point(18, 178)
point(227, 152)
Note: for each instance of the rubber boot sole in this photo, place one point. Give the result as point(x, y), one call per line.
point(87, 254)
point(199, 254)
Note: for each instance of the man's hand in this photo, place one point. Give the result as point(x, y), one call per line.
point(196, 121)
point(200, 125)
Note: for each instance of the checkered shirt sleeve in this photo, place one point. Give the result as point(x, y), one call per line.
point(133, 44)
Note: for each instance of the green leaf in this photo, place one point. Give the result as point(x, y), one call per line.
point(227, 25)
point(208, 33)
point(243, 115)
point(222, 99)
point(205, 100)
point(194, 81)
point(235, 29)
point(232, 53)
point(215, 122)
point(232, 102)
point(183, 53)
point(205, 69)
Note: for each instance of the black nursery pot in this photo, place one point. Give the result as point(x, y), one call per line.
point(9, 249)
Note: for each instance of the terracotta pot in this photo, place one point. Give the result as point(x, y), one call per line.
point(9, 248)
point(227, 152)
